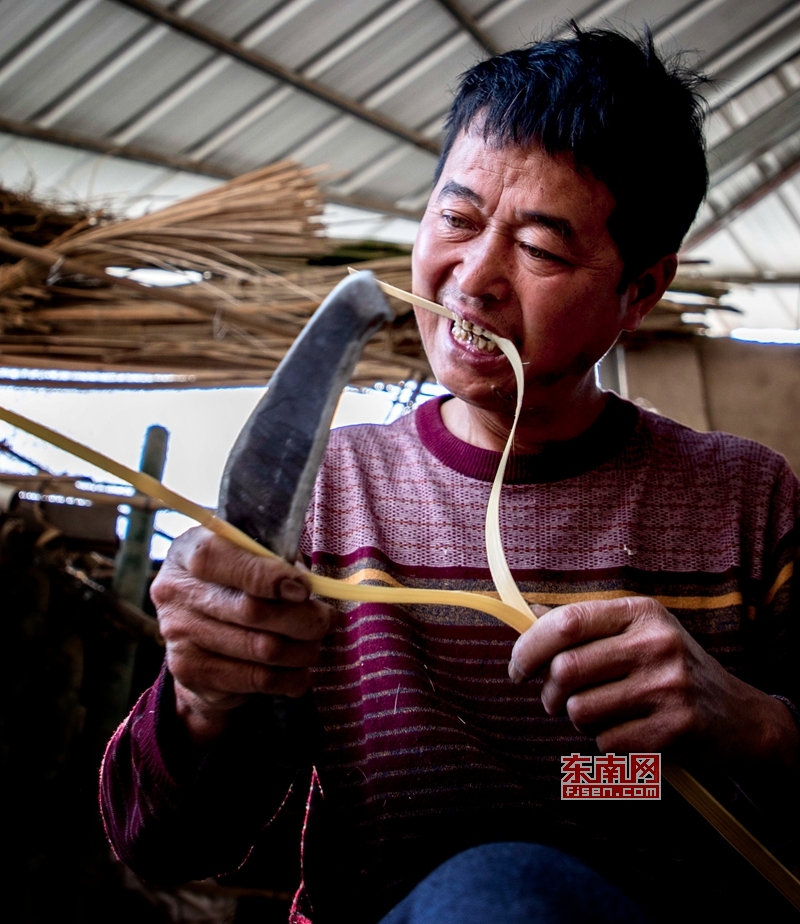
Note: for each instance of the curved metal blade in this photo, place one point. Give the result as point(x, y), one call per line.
point(270, 473)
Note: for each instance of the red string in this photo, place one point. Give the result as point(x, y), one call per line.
point(301, 905)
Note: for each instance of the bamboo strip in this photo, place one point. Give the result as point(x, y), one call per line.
point(711, 810)
point(326, 587)
point(498, 564)
point(734, 832)
point(699, 797)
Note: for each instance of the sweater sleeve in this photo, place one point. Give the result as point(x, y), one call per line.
point(767, 801)
point(173, 812)
point(775, 630)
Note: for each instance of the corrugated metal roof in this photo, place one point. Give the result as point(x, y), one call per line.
point(201, 89)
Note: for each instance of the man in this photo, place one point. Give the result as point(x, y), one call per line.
point(571, 171)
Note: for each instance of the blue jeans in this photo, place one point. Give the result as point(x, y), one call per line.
point(515, 884)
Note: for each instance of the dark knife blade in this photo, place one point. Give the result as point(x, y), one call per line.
point(270, 473)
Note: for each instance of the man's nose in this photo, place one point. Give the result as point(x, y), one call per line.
point(484, 268)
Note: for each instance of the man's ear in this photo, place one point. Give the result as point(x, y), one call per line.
point(644, 292)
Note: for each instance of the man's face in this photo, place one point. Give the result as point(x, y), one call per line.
point(517, 242)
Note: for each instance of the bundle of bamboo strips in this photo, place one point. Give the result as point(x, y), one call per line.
point(267, 219)
point(106, 329)
point(251, 241)
point(39, 223)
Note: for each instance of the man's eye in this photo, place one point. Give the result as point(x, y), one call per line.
point(539, 254)
point(456, 221)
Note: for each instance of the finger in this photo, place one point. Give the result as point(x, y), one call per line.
point(584, 667)
point(309, 621)
point(210, 558)
point(597, 709)
point(218, 680)
point(564, 627)
point(649, 693)
point(645, 734)
point(232, 641)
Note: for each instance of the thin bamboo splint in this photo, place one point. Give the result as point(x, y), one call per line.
point(325, 587)
point(697, 795)
point(510, 609)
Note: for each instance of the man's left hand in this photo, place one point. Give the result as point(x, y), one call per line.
point(626, 672)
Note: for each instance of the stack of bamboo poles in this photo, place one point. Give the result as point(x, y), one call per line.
point(667, 318)
point(251, 244)
point(239, 340)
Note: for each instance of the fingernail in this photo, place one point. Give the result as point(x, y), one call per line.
point(292, 590)
point(514, 674)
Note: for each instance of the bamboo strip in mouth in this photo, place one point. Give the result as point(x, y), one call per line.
point(716, 814)
point(697, 795)
point(511, 614)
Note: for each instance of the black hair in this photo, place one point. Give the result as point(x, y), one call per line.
point(630, 119)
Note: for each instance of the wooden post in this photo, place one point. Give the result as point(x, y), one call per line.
point(133, 561)
point(130, 584)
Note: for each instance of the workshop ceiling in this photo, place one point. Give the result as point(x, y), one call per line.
point(139, 102)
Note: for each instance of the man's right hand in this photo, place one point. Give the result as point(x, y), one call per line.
point(235, 624)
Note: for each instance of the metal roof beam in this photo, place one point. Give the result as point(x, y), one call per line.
point(373, 167)
point(684, 19)
point(768, 43)
point(762, 51)
point(775, 38)
point(111, 149)
point(368, 204)
point(181, 164)
point(395, 84)
point(214, 67)
point(42, 38)
point(758, 136)
point(400, 81)
point(595, 16)
point(313, 69)
point(284, 74)
point(121, 57)
point(470, 24)
point(590, 18)
point(717, 100)
point(723, 219)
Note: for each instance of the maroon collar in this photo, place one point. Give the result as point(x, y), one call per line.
point(564, 459)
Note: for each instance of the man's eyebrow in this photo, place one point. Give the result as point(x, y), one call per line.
point(561, 226)
point(451, 188)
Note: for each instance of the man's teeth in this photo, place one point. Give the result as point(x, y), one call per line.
point(467, 332)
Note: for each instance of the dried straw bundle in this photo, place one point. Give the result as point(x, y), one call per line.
point(240, 335)
point(267, 219)
point(252, 240)
point(39, 223)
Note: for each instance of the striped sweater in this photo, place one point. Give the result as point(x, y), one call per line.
point(427, 746)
